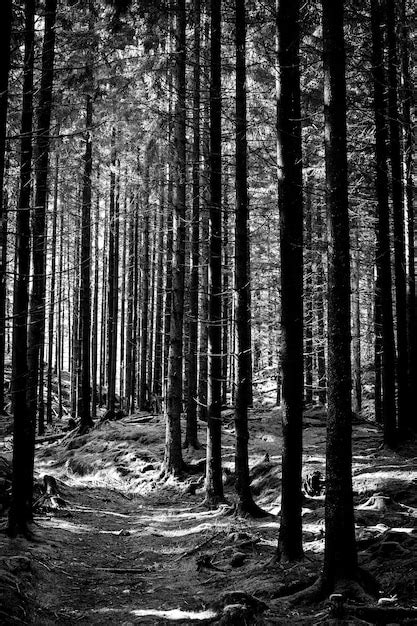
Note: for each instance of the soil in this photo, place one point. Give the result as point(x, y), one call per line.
point(118, 545)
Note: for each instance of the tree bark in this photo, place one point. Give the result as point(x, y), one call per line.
point(290, 203)
point(340, 557)
point(403, 410)
point(191, 438)
point(242, 276)
point(383, 297)
point(173, 462)
point(20, 513)
point(86, 421)
point(214, 483)
point(37, 297)
point(5, 37)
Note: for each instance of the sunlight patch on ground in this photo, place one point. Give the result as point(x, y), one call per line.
point(174, 614)
point(62, 524)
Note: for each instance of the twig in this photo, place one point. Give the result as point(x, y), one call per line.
point(121, 570)
point(197, 547)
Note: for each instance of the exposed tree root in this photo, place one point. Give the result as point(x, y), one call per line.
point(248, 509)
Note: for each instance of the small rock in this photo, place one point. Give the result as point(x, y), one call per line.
point(123, 533)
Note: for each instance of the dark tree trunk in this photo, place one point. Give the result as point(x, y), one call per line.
point(242, 281)
point(103, 316)
point(214, 484)
point(290, 203)
point(123, 333)
point(5, 35)
point(37, 297)
point(20, 513)
point(129, 312)
point(145, 280)
point(157, 376)
point(94, 329)
point(398, 221)
point(340, 558)
point(86, 421)
point(112, 283)
point(191, 438)
point(173, 455)
point(383, 298)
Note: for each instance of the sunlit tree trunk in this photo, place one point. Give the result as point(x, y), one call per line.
point(214, 483)
point(191, 430)
point(383, 298)
point(403, 409)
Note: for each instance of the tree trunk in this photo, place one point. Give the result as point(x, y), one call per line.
point(5, 35)
point(290, 203)
point(94, 329)
point(408, 155)
point(340, 557)
point(398, 221)
point(308, 300)
point(214, 484)
point(20, 513)
point(37, 297)
point(51, 317)
point(320, 308)
point(112, 283)
point(383, 298)
point(242, 281)
point(157, 375)
point(173, 462)
point(86, 421)
point(356, 323)
point(145, 279)
point(191, 438)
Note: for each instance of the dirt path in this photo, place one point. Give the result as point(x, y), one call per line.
point(128, 549)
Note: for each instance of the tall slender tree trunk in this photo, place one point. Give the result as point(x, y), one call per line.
point(398, 222)
point(145, 284)
point(308, 299)
point(158, 362)
point(37, 297)
point(112, 283)
point(383, 299)
point(173, 462)
point(20, 513)
point(340, 557)
point(86, 421)
point(51, 315)
point(5, 35)
point(290, 202)
point(408, 156)
point(320, 308)
point(242, 281)
point(214, 483)
point(191, 438)
point(356, 322)
point(204, 234)
point(94, 329)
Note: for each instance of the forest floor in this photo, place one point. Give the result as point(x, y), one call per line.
point(124, 548)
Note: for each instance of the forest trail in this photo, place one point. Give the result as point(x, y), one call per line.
point(130, 549)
